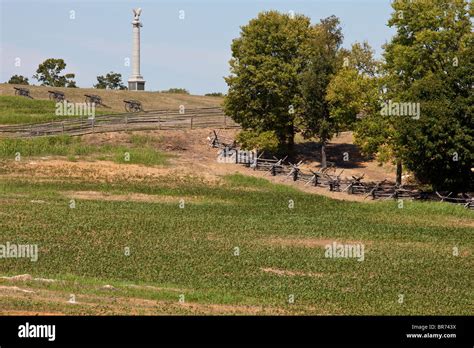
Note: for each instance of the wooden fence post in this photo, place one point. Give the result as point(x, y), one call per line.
point(191, 121)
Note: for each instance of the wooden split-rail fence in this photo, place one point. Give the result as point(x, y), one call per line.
point(329, 178)
point(151, 120)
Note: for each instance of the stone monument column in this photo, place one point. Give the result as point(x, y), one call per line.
point(136, 81)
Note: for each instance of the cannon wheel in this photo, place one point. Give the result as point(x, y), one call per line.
point(57, 97)
point(136, 108)
point(52, 96)
point(133, 106)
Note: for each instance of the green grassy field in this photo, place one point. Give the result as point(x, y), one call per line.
point(139, 151)
point(408, 251)
point(20, 110)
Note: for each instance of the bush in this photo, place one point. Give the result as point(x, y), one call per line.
point(176, 90)
point(18, 80)
point(264, 141)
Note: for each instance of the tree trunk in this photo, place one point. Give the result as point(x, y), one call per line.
point(399, 173)
point(323, 155)
point(282, 146)
point(290, 139)
point(290, 146)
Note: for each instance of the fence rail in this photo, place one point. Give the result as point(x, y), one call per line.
point(328, 177)
point(153, 119)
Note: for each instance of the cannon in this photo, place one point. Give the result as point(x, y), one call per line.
point(57, 96)
point(94, 99)
point(24, 92)
point(133, 105)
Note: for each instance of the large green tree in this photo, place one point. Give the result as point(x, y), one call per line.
point(49, 74)
point(267, 60)
point(325, 60)
point(110, 81)
point(430, 61)
point(355, 95)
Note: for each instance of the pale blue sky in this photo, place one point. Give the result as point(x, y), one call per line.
point(191, 53)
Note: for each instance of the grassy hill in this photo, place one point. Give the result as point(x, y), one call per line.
point(20, 110)
point(23, 110)
point(183, 260)
point(154, 230)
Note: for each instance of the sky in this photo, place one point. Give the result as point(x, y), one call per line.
point(94, 37)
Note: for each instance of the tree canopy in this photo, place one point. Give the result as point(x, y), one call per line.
point(414, 107)
point(430, 62)
point(325, 60)
point(354, 96)
point(110, 81)
point(267, 60)
point(49, 74)
point(18, 80)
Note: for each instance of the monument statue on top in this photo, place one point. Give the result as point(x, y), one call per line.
point(137, 12)
point(136, 81)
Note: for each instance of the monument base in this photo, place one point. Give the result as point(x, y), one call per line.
point(136, 85)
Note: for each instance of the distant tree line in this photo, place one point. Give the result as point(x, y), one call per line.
point(49, 73)
point(176, 91)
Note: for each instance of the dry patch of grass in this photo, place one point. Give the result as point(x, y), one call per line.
point(134, 197)
point(52, 169)
point(114, 99)
point(158, 288)
point(122, 305)
point(283, 272)
point(31, 313)
point(27, 277)
point(15, 289)
point(306, 242)
point(220, 309)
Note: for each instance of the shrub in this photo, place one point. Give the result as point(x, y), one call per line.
point(264, 141)
point(176, 90)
